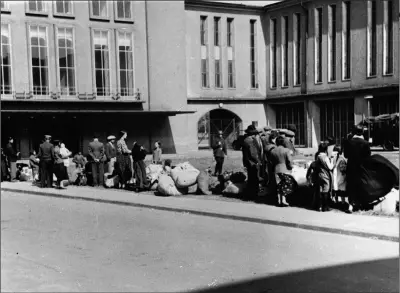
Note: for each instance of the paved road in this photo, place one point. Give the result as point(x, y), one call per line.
point(64, 245)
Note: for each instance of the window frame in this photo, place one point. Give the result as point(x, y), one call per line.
point(230, 45)
point(318, 46)
point(6, 7)
point(273, 31)
point(11, 59)
point(297, 49)
point(92, 16)
point(332, 76)
point(47, 26)
point(385, 35)
point(58, 81)
point(119, 19)
point(204, 29)
point(56, 13)
point(371, 50)
point(117, 32)
point(94, 87)
point(285, 50)
point(255, 35)
point(45, 12)
point(346, 43)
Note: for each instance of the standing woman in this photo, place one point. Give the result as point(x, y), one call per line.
point(325, 168)
point(157, 152)
point(123, 159)
point(139, 167)
point(59, 168)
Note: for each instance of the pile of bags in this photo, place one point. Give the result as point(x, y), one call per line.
point(26, 174)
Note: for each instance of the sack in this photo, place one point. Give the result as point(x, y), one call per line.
point(234, 188)
point(184, 175)
point(238, 177)
point(112, 182)
point(203, 183)
point(154, 168)
point(167, 187)
point(81, 180)
point(389, 203)
point(154, 185)
point(299, 174)
point(192, 189)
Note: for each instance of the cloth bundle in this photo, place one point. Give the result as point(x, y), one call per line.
point(166, 186)
point(184, 175)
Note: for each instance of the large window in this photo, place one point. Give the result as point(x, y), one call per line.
point(4, 6)
point(217, 31)
point(125, 58)
point(253, 54)
point(102, 62)
point(292, 114)
point(36, 7)
point(388, 37)
point(99, 9)
point(332, 43)
point(63, 7)
point(318, 45)
point(6, 66)
point(124, 10)
point(39, 59)
point(285, 51)
point(371, 38)
point(66, 61)
point(217, 52)
point(273, 54)
point(296, 48)
point(231, 59)
point(346, 40)
point(204, 52)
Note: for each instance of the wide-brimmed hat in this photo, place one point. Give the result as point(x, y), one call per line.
point(287, 132)
point(111, 137)
point(251, 130)
point(267, 128)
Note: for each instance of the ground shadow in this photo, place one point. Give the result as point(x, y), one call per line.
point(372, 276)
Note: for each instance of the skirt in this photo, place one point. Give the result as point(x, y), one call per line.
point(286, 185)
point(124, 167)
point(61, 172)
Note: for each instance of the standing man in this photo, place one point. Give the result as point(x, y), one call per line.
point(111, 153)
point(12, 157)
point(251, 161)
point(219, 153)
point(46, 160)
point(97, 159)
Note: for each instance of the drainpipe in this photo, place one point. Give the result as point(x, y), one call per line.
point(147, 53)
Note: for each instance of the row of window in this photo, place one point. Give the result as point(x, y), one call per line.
point(332, 43)
point(38, 48)
point(98, 9)
point(230, 51)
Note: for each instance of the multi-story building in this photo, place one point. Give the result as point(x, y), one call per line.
point(179, 71)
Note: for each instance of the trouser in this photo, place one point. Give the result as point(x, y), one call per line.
point(46, 170)
point(110, 165)
point(13, 170)
point(218, 166)
point(34, 173)
point(252, 182)
point(323, 201)
point(98, 173)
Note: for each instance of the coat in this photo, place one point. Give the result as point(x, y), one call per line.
point(46, 152)
point(356, 150)
point(96, 151)
point(219, 150)
point(11, 153)
point(251, 153)
point(281, 160)
point(110, 151)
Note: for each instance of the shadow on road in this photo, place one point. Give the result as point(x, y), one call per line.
point(372, 276)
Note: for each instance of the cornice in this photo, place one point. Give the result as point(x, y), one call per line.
point(223, 5)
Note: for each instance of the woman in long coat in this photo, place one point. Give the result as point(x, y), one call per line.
point(139, 167)
point(123, 159)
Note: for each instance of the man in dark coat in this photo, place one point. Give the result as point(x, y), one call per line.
point(270, 174)
point(12, 157)
point(220, 152)
point(356, 150)
point(252, 161)
point(46, 156)
point(111, 153)
point(97, 159)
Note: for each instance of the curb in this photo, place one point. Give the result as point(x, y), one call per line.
point(216, 215)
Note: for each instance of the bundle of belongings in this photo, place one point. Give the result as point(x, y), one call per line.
point(24, 173)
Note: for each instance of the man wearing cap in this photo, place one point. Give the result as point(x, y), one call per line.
point(251, 161)
point(46, 156)
point(97, 159)
point(219, 153)
point(12, 157)
point(111, 153)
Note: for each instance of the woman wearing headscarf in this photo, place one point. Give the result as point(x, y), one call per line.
point(59, 168)
point(123, 159)
point(139, 167)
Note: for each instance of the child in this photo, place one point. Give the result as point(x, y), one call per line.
point(157, 151)
point(325, 168)
point(312, 179)
point(339, 179)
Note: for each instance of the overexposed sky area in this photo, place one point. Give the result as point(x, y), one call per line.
point(252, 3)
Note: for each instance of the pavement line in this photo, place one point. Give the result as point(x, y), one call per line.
point(217, 215)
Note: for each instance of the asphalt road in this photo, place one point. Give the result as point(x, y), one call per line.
point(64, 245)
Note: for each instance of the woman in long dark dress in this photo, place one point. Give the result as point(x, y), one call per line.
point(4, 167)
point(123, 159)
point(139, 167)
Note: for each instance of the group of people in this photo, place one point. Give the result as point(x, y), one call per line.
point(113, 158)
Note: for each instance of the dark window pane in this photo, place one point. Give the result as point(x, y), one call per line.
point(96, 8)
point(63, 78)
point(39, 6)
point(61, 42)
point(62, 57)
point(120, 9)
point(59, 7)
point(32, 5)
point(67, 6)
point(36, 76)
point(44, 76)
point(43, 56)
point(70, 58)
point(5, 54)
point(128, 13)
point(105, 60)
point(35, 56)
point(34, 41)
point(97, 59)
point(99, 79)
point(122, 60)
point(123, 81)
point(71, 78)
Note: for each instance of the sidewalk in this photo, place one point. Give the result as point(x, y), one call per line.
point(356, 225)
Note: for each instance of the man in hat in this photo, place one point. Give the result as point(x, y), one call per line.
point(12, 157)
point(287, 143)
point(220, 152)
point(111, 153)
point(46, 156)
point(251, 160)
point(97, 159)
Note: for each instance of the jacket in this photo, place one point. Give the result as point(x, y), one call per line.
point(251, 154)
point(355, 150)
point(46, 152)
point(96, 151)
point(11, 153)
point(281, 160)
point(219, 150)
point(79, 159)
point(110, 151)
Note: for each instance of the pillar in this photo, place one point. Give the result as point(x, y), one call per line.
point(360, 109)
point(313, 119)
point(270, 116)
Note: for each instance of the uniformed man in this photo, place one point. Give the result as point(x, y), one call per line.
point(46, 157)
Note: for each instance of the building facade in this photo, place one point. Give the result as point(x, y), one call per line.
point(179, 71)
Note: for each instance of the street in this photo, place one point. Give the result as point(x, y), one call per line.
point(65, 245)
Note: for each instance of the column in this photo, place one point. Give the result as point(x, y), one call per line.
point(313, 123)
point(360, 109)
point(270, 116)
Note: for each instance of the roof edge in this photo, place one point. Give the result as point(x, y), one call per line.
point(283, 4)
point(223, 5)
